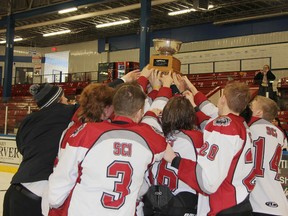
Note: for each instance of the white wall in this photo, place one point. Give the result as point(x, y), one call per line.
point(84, 56)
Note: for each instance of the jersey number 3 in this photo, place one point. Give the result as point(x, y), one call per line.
point(123, 170)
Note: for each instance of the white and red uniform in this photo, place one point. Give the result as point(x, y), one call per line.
point(223, 172)
point(185, 143)
point(115, 157)
point(268, 196)
point(112, 171)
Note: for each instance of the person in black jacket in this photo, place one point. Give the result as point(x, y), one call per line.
point(38, 141)
point(264, 79)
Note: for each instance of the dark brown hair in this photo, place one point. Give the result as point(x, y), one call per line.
point(178, 114)
point(129, 99)
point(93, 99)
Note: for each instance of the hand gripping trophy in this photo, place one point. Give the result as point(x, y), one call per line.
point(164, 61)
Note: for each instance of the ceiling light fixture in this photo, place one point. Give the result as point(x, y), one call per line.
point(67, 10)
point(113, 23)
point(15, 40)
point(210, 6)
point(57, 33)
point(175, 13)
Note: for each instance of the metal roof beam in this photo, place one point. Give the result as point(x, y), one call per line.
point(50, 9)
point(89, 15)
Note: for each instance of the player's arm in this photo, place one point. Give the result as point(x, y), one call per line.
point(201, 118)
point(214, 160)
point(201, 100)
point(205, 105)
point(163, 95)
point(65, 174)
point(144, 76)
point(211, 168)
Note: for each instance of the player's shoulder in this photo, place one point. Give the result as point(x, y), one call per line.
point(84, 134)
point(222, 121)
point(196, 137)
point(146, 128)
point(219, 123)
point(229, 125)
point(193, 134)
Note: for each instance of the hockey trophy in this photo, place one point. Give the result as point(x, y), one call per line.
point(164, 61)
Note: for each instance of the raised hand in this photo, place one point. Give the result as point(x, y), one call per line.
point(166, 79)
point(179, 82)
point(190, 86)
point(154, 80)
point(190, 97)
point(132, 75)
point(146, 72)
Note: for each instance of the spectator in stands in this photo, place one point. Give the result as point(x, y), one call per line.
point(264, 79)
point(221, 168)
point(38, 141)
point(267, 198)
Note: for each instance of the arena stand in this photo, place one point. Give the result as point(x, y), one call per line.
point(21, 103)
point(212, 83)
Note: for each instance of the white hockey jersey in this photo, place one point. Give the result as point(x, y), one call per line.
point(268, 196)
point(224, 172)
point(186, 143)
point(115, 156)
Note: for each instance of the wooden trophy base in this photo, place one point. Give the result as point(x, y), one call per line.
point(165, 63)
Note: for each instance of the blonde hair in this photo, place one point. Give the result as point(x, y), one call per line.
point(268, 106)
point(237, 95)
point(267, 66)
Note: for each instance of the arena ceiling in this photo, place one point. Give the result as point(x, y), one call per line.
point(33, 18)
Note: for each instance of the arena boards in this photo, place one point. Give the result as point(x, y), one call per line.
point(10, 158)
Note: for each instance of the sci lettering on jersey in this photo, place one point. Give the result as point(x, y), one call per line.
point(113, 159)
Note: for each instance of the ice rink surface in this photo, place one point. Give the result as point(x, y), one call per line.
point(5, 179)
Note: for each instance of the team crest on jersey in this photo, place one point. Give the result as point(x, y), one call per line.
point(271, 204)
point(78, 130)
point(222, 121)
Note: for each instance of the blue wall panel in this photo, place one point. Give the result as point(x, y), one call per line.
point(271, 25)
point(205, 32)
point(124, 42)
